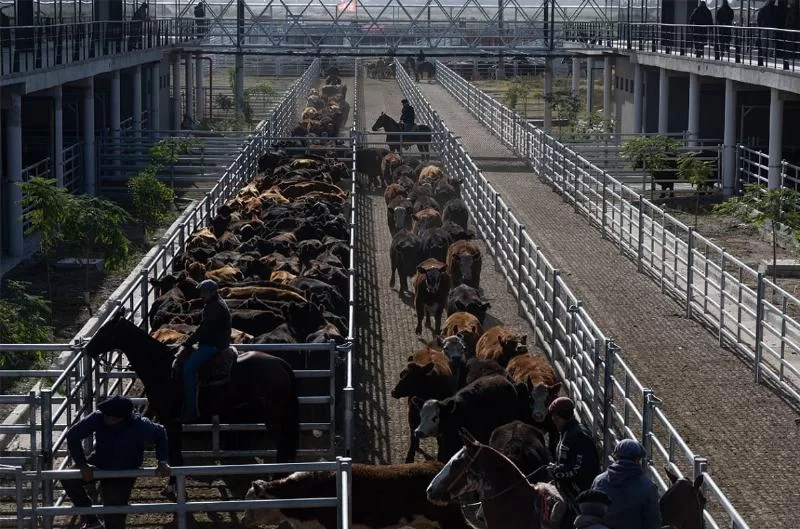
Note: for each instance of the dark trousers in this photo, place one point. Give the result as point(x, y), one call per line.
point(113, 491)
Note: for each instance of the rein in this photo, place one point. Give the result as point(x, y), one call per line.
point(493, 496)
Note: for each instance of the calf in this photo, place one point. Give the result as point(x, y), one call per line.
point(435, 243)
point(464, 298)
point(392, 192)
point(426, 219)
point(464, 263)
point(383, 496)
point(467, 326)
point(480, 407)
point(426, 376)
point(388, 164)
point(539, 376)
point(405, 254)
point(501, 344)
point(455, 210)
point(431, 286)
point(398, 214)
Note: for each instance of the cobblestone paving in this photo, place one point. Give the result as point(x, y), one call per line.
point(386, 322)
point(746, 431)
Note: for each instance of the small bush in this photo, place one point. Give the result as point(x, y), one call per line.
point(152, 199)
point(23, 319)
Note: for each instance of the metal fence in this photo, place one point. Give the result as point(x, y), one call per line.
point(753, 168)
point(748, 312)
point(29, 511)
point(26, 49)
point(80, 383)
point(609, 396)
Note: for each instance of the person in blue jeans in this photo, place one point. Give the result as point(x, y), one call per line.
point(213, 335)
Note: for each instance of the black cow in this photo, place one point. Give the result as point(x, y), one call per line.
point(467, 299)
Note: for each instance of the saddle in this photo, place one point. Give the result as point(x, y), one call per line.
point(217, 371)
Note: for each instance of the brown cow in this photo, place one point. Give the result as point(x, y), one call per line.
point(204, 237)
point(427, 376)
point(539, 376)
point(466, 326)
point(426, 219)
point(501, 344)
point(431, 285)
point(388, 164)
point(383, 496)
point(393, 191)
point(433, 173)
point(281, 276)
point(262, 293)
point(226, 274)
point(464, 263)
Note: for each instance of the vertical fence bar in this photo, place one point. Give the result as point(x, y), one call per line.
point(46, 397)
point(520, 268)
point(145, 291)
point(608, 395)
point(180, 499)
point(554, 300)
point(648, 405)
point(640, 245)
point(759, 328)
point(689, 272)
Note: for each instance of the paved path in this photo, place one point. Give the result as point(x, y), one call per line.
point(386, 323)
point(747, 432)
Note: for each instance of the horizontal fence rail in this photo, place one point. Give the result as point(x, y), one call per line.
point(609, 396)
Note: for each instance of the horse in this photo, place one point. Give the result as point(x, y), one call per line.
point(262, 387)
point(394, 135)
point(682, 504)
point(507, 498)
point(426, 67)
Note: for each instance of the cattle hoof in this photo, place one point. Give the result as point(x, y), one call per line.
point(418, 330)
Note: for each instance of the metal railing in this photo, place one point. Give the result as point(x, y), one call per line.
point(183, 506)
point(71, 164)
point(609, 397)
point(752, 167)
point(753, 46)
point(77, 374)
point(26, 49)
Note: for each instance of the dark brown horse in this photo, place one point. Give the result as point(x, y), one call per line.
point(262, 387)
point(683, 503)
point(394, 135)
point(508, 500)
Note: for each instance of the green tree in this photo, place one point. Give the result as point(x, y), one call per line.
point(167, 151)
point(650, 153)
point(24, 318)
point(95, 224)
point(759, 204)
point(515, 91)
point(697, 172)
point(566, 104)
point(151, 198)
point(46, 206)
point(224, 102)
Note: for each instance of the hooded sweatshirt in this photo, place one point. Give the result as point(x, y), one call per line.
point(634, 498)
point(591, 516)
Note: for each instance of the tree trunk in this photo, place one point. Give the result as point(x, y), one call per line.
point(774, 254)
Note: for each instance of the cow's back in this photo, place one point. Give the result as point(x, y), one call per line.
point(485, 404)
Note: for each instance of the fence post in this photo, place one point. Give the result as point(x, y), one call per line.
point(699, 467)
point(648, 405)
point(554, 301)
point(640, 246)
point(608, 396)
point(496, 220)
point(145, 293)
point(689, 272)
point(47, 449)
point(721, 295)
point(19, 497)
point(520, 268)
point(180, 499)
point(596, 404)
point(759, 327)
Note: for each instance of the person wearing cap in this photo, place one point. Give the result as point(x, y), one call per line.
point(577, 462)
point(407, 116)
point(634, 498)
point(213, 335)
point(592, 507)
point(120, 437)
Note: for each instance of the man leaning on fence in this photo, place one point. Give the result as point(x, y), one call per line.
point(121, 435)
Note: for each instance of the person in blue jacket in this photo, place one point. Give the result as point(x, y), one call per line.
point(120, 436)
point(634, 498)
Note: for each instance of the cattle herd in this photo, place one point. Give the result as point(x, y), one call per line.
point(279, 250)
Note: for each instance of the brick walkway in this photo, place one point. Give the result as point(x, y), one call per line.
point(386, 323)
point(747, 432)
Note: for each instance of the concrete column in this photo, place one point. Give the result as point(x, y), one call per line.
point(693, 130)
point(775, 137)
point(607, 89)
point(13, 205)
point(58, 136)
point(576, 75)
point(176, 92)
point(637, 99)
point(589, 83)
point(115, 117)
point(548, 93)
point(137, 101)
point(200, 92)
point(155, 97)
point(729, 140)
point(189, 86)
point(88, 138)
point(663, 101)
point(239, 85)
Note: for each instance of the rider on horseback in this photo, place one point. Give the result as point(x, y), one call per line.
point(213, 336)
point(407, 116)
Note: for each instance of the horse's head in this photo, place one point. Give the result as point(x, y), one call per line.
point(683, 503)
point(105, 338)
point(380, 122)
point(457, 476)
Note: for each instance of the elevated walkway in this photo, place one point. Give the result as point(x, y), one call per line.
point(746, 430)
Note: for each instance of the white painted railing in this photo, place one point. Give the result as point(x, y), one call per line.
point(608, 395)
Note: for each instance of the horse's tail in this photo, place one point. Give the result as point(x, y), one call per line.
point(290, 423)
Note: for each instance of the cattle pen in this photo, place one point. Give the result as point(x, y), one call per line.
point(527, 292)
